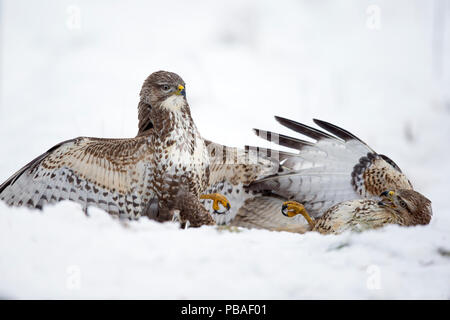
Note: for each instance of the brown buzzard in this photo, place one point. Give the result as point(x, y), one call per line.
point(229, 171)
point(338, 179)
point(167, 161)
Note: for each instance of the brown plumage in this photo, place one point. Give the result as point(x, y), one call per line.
point(151, 94)
point(229, 172)
point(183, 209)
point(329, 178)
point(123, 176)
point(402, 207)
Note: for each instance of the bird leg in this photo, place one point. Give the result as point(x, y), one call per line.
point(294, 208)
point(217, 198)
point(191, 212)
point(176, 216)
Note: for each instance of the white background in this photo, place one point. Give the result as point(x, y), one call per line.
point(380, 69)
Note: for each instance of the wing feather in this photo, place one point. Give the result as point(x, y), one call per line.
point(238, 165)
point(231, 170)
point(304, 129)
point(333, 169)
point(263, 212)
point(282, 140)
point(90, 171)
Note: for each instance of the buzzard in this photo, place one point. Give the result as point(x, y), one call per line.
point(168, 160)
point(230, 170)
point(404, 207)
point(335, 182)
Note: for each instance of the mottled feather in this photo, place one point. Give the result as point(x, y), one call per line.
point(90, 171)
point(125, 176)
point(331, 170)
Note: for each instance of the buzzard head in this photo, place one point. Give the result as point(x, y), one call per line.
point(162, 89)
point(165, 89)
point(411, 206)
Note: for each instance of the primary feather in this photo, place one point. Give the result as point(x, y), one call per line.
point(107, 173)
point(337, 167)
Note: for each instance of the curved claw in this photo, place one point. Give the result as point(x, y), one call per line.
point(293, 208)
point(223, 212)
point(217, 198)
point(284, 211)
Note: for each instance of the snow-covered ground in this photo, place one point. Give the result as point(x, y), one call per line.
point(380, 69)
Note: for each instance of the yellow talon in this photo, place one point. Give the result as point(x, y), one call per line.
point(294, 208)
point(217, 198)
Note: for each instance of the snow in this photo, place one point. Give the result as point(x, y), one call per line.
point(74, 68)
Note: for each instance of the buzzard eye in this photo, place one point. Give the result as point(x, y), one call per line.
point(402, 204)
point(165, 87)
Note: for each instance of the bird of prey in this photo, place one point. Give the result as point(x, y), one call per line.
point(230, 170)
point(335, 182)
point(167, 161)
point(403, 207)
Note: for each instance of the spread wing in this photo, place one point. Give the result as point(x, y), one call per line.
point(337, 167)
point(106, 173)
point(264, 212)
point(231, 170)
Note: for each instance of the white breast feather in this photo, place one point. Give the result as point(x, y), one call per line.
point(173, 103)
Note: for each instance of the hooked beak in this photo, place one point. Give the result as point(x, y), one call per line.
point(181, 91)
point(387, 199)
point(387, 193)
